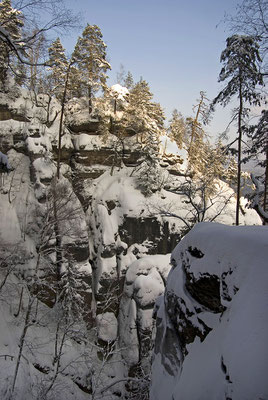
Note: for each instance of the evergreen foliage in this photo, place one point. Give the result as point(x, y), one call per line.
point(90, 60)
point(143, 115)
point(129, 81)
point(11, 23)
point(240, 69)
point(177, 128)
point(59, 66)
point(195, 135)
point(251, 19)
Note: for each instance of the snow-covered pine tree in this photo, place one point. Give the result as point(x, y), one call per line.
point(177, 128)
point(231, 171)
point(90, 60)
point(240, 69)
point(59, 66)
point(144, 116)
point(71, 287)
point(146, 119)
point(11, 23)
point(196, 145)
point(251, 19)
point(214, 164)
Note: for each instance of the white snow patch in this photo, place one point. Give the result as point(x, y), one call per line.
point(107, 327)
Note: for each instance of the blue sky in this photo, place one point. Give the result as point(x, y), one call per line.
point(174, 45)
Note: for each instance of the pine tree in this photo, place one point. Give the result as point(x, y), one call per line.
point(196, 145)
point(231, 170)
point(129, 81)
point(59, 66)
point(251, 20)
point(177, 128)
point(215, 164)
point(11, 22)
point(75, 87)
point(90, 60)
point(146, 119)
point(144, 116)
point(141, 117)
point(240, 60)
point(196, 132)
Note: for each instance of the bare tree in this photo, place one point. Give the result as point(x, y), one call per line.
point(201, 202)
point(58, 280)
point(39, 17)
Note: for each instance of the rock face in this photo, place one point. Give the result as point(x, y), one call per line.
point(107, 226)
point(212, 322)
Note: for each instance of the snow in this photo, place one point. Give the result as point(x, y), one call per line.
point(239, 336)
point(239, 238)
point(10, 227)
point(169, 146)
point(44, 168)
point(147, 288)
point(144, 283)
point(107, 327)
point(119, 91)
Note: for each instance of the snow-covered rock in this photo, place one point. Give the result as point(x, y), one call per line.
point(145, 281)
point(107, 327)
point(212, 322)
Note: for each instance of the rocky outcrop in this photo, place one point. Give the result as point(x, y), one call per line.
point(211, 321)
point(6, 114)
point(145, 281)
point(160, 236)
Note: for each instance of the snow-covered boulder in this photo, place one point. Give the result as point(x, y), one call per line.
point(212, 322)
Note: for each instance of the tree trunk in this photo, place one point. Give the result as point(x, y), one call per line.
point(195, 124)
point(266, 179)
point(89, 99)
point(239, 152)
point(58, 239)
point(22, 340)
point(61, 119)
